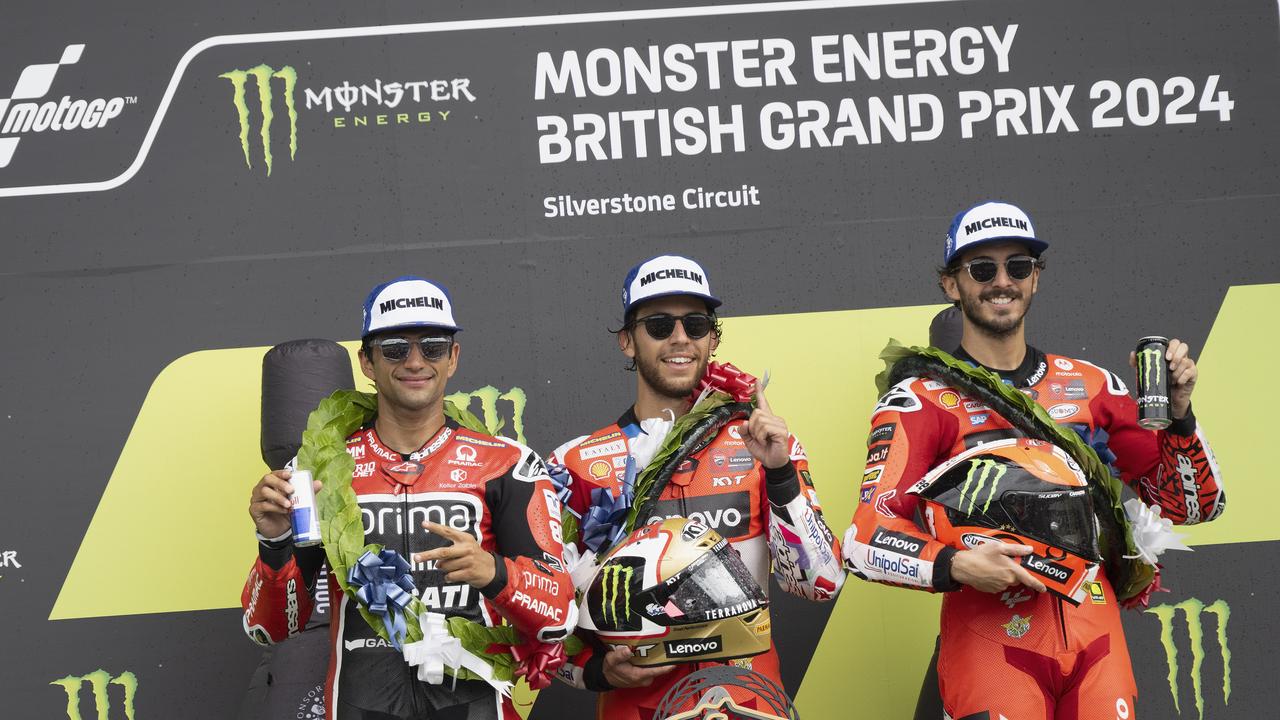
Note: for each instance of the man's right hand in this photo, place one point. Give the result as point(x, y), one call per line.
point(620, 673)
point(993, 567)
point(270, 503)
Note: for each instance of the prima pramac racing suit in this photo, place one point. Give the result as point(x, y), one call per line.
point(766, 514)
point(493, 488)
point(1020, 654)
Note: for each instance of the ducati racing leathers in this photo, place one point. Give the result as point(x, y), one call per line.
point(493, 488)
point(1020, 654)
point(772, 517)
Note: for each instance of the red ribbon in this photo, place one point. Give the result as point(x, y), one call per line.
point(726, 378)
point(537, 661)
point(1144, 598)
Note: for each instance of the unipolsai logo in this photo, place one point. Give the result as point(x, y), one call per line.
point(22, 112)
point(513, 400)
point(262, 76)
point(1193, 611)
point(100, 682)
point(980, 472)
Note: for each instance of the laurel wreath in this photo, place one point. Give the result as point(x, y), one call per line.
point(1129, 576)
point(324, 452)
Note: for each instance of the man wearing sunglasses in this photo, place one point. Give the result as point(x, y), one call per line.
point(476, 516)
point(1007, 647)
point(750, 483)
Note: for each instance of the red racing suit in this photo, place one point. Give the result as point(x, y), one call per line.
point(1020, 654)
point(493, 488)
point(772, 517)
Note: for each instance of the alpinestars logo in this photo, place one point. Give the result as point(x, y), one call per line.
point(1193, 611)
point(1149, 363)
point(22, 113)
point(262, 76)
point(99, 680)
point(980, 473)
point(615, 594)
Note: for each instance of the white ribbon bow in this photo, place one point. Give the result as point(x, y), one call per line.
point(438, 649)
point(581, 567)
point(1152, 534)
point(645, 445)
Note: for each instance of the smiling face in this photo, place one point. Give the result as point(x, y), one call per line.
point(996, 308)
point(673, 366)
point(412, 385)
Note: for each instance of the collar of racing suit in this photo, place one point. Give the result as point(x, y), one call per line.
point(418, 454)
point(1028, 373)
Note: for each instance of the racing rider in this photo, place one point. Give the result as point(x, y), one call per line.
point(1007, 648)
point(751, 483)
point(475, 514)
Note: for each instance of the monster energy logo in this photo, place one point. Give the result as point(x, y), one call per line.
point(980, 472)
point(1192, 609)
point(98, 681)
point(611, 577)
point(263, 74)
point(1148, 360)
point(489, 397)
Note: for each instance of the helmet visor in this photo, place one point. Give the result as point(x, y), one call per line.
point(1061, 518)
point(715, 586)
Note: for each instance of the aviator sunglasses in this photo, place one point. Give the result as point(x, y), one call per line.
point(984, 270)
point(660, 327)
point(396, 349)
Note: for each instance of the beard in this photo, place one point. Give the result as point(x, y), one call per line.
point(995, 327)
point(667, 387)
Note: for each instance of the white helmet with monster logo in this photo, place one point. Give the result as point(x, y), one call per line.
point(677, 592)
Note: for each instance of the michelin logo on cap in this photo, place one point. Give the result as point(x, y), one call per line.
point(663, 276)
point(408, 302)
point(990, 222)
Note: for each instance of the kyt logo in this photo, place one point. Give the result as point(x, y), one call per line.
point(1193, 610)
point(262, 76)
point(98, 682)
point(1150, 362)
point(20, 113)
point(493, 421)
point(980, 473)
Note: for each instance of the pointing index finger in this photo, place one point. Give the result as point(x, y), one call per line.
point(761, 402)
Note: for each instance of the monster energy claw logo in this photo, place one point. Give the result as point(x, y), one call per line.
point(1193, 610)
point(99, 680)
point(980, 472)
point(489, 397)
point(611, 577)
point(1148, 360)
point(263, 74)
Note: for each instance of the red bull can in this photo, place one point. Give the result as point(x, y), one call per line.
point(304, 515)
point(1154, 411)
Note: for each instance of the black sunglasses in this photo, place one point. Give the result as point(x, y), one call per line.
point(984, 270)
point(660, 327)
point(396, 349)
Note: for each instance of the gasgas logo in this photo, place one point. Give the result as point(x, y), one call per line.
point(26, 110)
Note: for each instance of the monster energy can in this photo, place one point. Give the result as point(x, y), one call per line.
point(304, 515)
point(1154, 412)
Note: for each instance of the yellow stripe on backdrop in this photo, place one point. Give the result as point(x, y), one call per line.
point(193, 454)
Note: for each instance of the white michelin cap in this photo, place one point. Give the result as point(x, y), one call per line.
point(990, 222)
point(408, 302)
point(666, 275)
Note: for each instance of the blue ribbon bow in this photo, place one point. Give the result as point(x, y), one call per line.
point(562, 481)
point(1097, 438)
point(605, 521)
point(385, 588)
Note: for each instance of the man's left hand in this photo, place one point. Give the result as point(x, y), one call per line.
point(462, 561)
point(1182, 376)
point(766, 434)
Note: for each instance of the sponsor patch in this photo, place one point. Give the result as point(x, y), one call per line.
point(694, 647)
point(1096, 594)
point(602, 438)
point(877, 454)
point(727, 513)
point(1017, 626)
point(1063, 364)
point(900, 543)
point(600, 469)
point(949, 399)
point(595, 451)
point(881, 433)
point(976, 420)
point(1062, 411)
